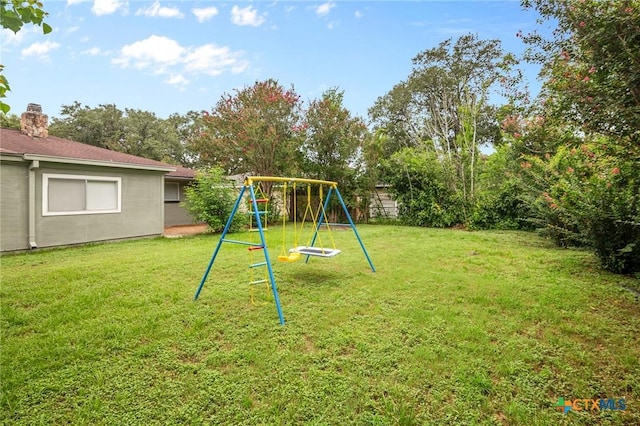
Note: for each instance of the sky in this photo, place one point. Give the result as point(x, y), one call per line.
point(178, 56)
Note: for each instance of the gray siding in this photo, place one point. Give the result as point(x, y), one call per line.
point(14, 185)
point(141, 215)
point(174, 213)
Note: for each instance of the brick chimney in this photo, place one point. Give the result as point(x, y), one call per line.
point(34, 123)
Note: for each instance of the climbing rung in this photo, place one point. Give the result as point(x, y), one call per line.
point(255, 265)
point(256, 229)
point(252, 248)
point(259, 212)
point(262, 200)
point(257, 282)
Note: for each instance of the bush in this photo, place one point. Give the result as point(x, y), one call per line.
point(503, 208)
point(210, 199)
point(418, 184)
point(591, 197)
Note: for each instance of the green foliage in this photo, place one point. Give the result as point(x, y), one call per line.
point(9, 121)
point(257, 131)
point(418, 185)
point(591, 196)
point(130, 131)
point(499, 203)
point(591, 65)
point(210, 199)
point(333, 145)
point(444, 107)
point(13, 15)
point(501, 209)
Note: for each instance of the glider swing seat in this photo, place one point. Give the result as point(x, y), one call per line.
point(258, 213)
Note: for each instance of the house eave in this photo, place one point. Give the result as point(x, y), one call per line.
point(98, 163)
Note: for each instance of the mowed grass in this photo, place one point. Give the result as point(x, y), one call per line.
point(455, 327)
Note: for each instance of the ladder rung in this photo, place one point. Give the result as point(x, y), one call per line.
point(257, 282)
point(256, 229)
point(252, 248)
point(259, 212)
point(262, 200)
point(255, 265)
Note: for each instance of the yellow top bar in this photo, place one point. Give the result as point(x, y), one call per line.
point(250, 179)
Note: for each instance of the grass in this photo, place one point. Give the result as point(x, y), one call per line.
point(455, 327)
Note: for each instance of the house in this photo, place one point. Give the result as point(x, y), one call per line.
point(175, 183)
point(56, 192)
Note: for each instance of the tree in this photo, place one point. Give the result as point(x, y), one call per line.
point(591, 65)
point(13, 15)
point(334, 140)
point(258, 130)
point(131, 131)
point(444, 106)
point(585, 189)
point(9, 121)
point(101, 126)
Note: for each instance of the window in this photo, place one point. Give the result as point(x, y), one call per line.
point(73, 194)
point(171, 191)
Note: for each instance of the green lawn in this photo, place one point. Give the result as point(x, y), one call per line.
point(455, 328)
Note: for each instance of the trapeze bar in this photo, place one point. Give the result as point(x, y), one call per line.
point(250, 179)
point(315, 251)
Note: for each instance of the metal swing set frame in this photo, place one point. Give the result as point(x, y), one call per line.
point(249, 188)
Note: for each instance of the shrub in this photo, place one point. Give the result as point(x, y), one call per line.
point(418, 182)
point(210, 199)
point(591, 197)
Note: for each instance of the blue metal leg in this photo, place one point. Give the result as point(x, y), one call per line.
point(224, 233)
point(355, 231)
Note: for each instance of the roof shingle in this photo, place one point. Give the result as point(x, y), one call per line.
point(15, 142)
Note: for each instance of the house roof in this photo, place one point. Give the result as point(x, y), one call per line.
point(52, 148)
point(182, 173)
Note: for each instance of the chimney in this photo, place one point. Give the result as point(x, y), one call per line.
point(34, 123)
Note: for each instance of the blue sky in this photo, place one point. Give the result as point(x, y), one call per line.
point(176, 56)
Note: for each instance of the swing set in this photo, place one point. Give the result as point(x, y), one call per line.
point(258, 211)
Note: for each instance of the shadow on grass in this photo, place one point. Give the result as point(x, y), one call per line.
point(315, 277)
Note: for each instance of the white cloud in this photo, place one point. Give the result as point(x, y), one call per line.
point(358, 14)
point(107, 7)
point(324, 8)
point(41, 50)
point(94, 51)
point(204, 14)
point(157, 11)
point(156, 51)
point(214, 60)
point(246, 16)
point(177, 80)
point(10, 38)
point(162, 55)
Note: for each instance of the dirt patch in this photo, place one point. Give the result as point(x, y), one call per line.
point(181, 230)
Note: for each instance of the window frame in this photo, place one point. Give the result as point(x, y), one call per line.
point(86, 178)
point(169, 200)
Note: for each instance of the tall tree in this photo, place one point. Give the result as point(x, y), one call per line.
point(257, 130)
point(334, 141)
point(444, 105)
point(591, 64)
point(14, 14)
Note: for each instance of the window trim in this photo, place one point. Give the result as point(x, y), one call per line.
point(85, 178)
point(171, 200)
